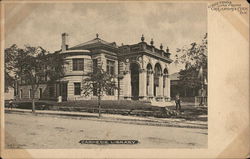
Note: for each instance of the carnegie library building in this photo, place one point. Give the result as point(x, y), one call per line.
point(141, 71)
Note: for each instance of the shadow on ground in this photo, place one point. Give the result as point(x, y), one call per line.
point(190, 112)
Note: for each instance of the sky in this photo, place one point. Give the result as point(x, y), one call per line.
point(41, 24)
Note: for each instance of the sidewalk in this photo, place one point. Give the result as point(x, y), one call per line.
point(167, 122)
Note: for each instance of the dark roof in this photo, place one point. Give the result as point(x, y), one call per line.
point(93, 43)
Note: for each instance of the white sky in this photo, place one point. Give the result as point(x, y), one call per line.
point(172, 24)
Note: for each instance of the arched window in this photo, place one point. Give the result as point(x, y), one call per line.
point(157, 74)
point(165, 76)
point(149, 71)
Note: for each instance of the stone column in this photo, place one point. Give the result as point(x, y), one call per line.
point(142, 84)
point(165, 80)
point(151, 85)
point(168, 88)
point(160, 86)
point(127, 86)
point(116, 80)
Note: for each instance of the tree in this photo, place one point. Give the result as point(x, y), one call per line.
point(33, 65)
point(9, 62)
point(98, 82)
point(194, 58)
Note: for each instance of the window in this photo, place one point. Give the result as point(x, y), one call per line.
point(51, 91)
point(21, 93)
point(148, 76)
point(40, 93)
point(77, 88)
point(30, 93)
point(95, 64)
point(46, 77)
point(156, 81)
point(94, 89)
point(111, 67)
point(110, 92)
point(164, 82)
point(78, 64)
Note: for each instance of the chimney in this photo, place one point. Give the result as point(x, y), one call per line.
point(65, 42)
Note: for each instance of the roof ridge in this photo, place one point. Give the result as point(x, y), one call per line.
point(95, 40)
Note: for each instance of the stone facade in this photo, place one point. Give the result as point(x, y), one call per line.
point(141, 70)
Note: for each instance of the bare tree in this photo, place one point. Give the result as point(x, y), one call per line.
point(98, 82)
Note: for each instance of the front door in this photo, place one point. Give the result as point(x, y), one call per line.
point(64, 91)
point(40, 93)
point(134, 81)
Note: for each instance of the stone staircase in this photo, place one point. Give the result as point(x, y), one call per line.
point(162, 103)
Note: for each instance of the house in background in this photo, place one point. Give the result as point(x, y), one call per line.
point(9, 93)
point(141, 71)
point(176, 87)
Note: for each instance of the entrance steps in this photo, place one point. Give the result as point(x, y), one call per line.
point(162, 103)
point(159, 103)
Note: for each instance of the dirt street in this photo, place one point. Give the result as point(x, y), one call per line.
point(31, 131)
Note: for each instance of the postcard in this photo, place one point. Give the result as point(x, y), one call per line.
point(124, 79)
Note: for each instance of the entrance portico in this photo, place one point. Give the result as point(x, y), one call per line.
point(145, 72)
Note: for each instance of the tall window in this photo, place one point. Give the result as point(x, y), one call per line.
point(40, 93)
point(21, 93)
point(30, 91)
point(94, 89)
point(148, 76)
point(95, 64)
point(111, 67)
point(111, 71)
point(51, 91)
point(78, 64)
point(110, 92)
point(77, 88)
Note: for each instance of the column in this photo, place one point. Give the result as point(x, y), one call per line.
point(127, 86)
point(116, 80)
point(168, 88)
point(165, 90)
point(160, 86)
point(151, 85)
point(142, 84)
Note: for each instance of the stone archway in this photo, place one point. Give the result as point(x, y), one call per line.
point(149, 80)
point(157, 79)
point(165, 83)
point(134, 69)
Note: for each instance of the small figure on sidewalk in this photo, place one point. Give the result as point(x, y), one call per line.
point(178, 102)
point(11, 104)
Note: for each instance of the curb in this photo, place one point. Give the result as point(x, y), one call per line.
point(94, 117)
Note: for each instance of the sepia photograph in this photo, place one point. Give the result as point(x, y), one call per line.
point(101, 76)
point(106, 75)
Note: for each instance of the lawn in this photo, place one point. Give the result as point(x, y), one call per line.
point(123, 107)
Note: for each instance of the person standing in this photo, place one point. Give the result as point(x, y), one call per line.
point(11, 104)
point(178, 102)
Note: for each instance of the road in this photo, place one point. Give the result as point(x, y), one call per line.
point(41, 131)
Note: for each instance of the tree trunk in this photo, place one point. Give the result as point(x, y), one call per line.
point(99, 106)
point(33, 106)
point(33, 102)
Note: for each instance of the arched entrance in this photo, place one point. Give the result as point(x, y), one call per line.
point(149, 80)
point(134, 69)
point(165, 73)
point(157, 74)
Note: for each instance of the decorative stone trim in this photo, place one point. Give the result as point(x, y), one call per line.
point(126, 72)
point(160, 75)
point(165, 75)
point(150, 71)
point(142, 70)
point(127, 97)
